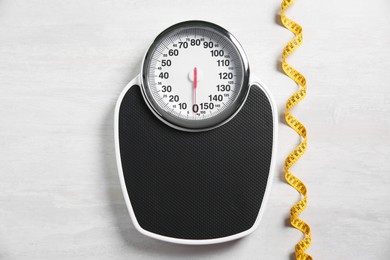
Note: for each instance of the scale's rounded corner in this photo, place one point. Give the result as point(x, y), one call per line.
point(255, 81)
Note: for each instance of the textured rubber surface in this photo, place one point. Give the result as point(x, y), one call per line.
point(196, 185)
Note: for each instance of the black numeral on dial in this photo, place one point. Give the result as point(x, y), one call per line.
point(173, 98)
point(183, 105)
point(215, 97)
point(166, 63)
point(223, 63)
point(173, 52)
point(216, 53)
point(183, 45)
point(225, 75)
point(163, 75)
point(166, 88)
point(195, 42)
point(223, 88)
point(206, 105)
point(208, 45)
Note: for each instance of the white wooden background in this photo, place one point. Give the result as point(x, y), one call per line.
point(64, 63)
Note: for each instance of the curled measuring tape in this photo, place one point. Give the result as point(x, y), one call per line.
point(294, 123)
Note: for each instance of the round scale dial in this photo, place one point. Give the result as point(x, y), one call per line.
point(193, 75)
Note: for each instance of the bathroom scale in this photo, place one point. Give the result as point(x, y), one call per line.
point(195, 138)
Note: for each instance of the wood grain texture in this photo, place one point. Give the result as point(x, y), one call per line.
point(64, 63)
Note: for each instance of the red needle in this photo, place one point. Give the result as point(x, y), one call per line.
point(195, 83)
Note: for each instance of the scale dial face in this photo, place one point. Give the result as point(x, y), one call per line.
point(195, 76)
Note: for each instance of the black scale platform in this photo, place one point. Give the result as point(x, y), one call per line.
point(201, 185)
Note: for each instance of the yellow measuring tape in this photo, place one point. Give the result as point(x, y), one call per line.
point(294, 123)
